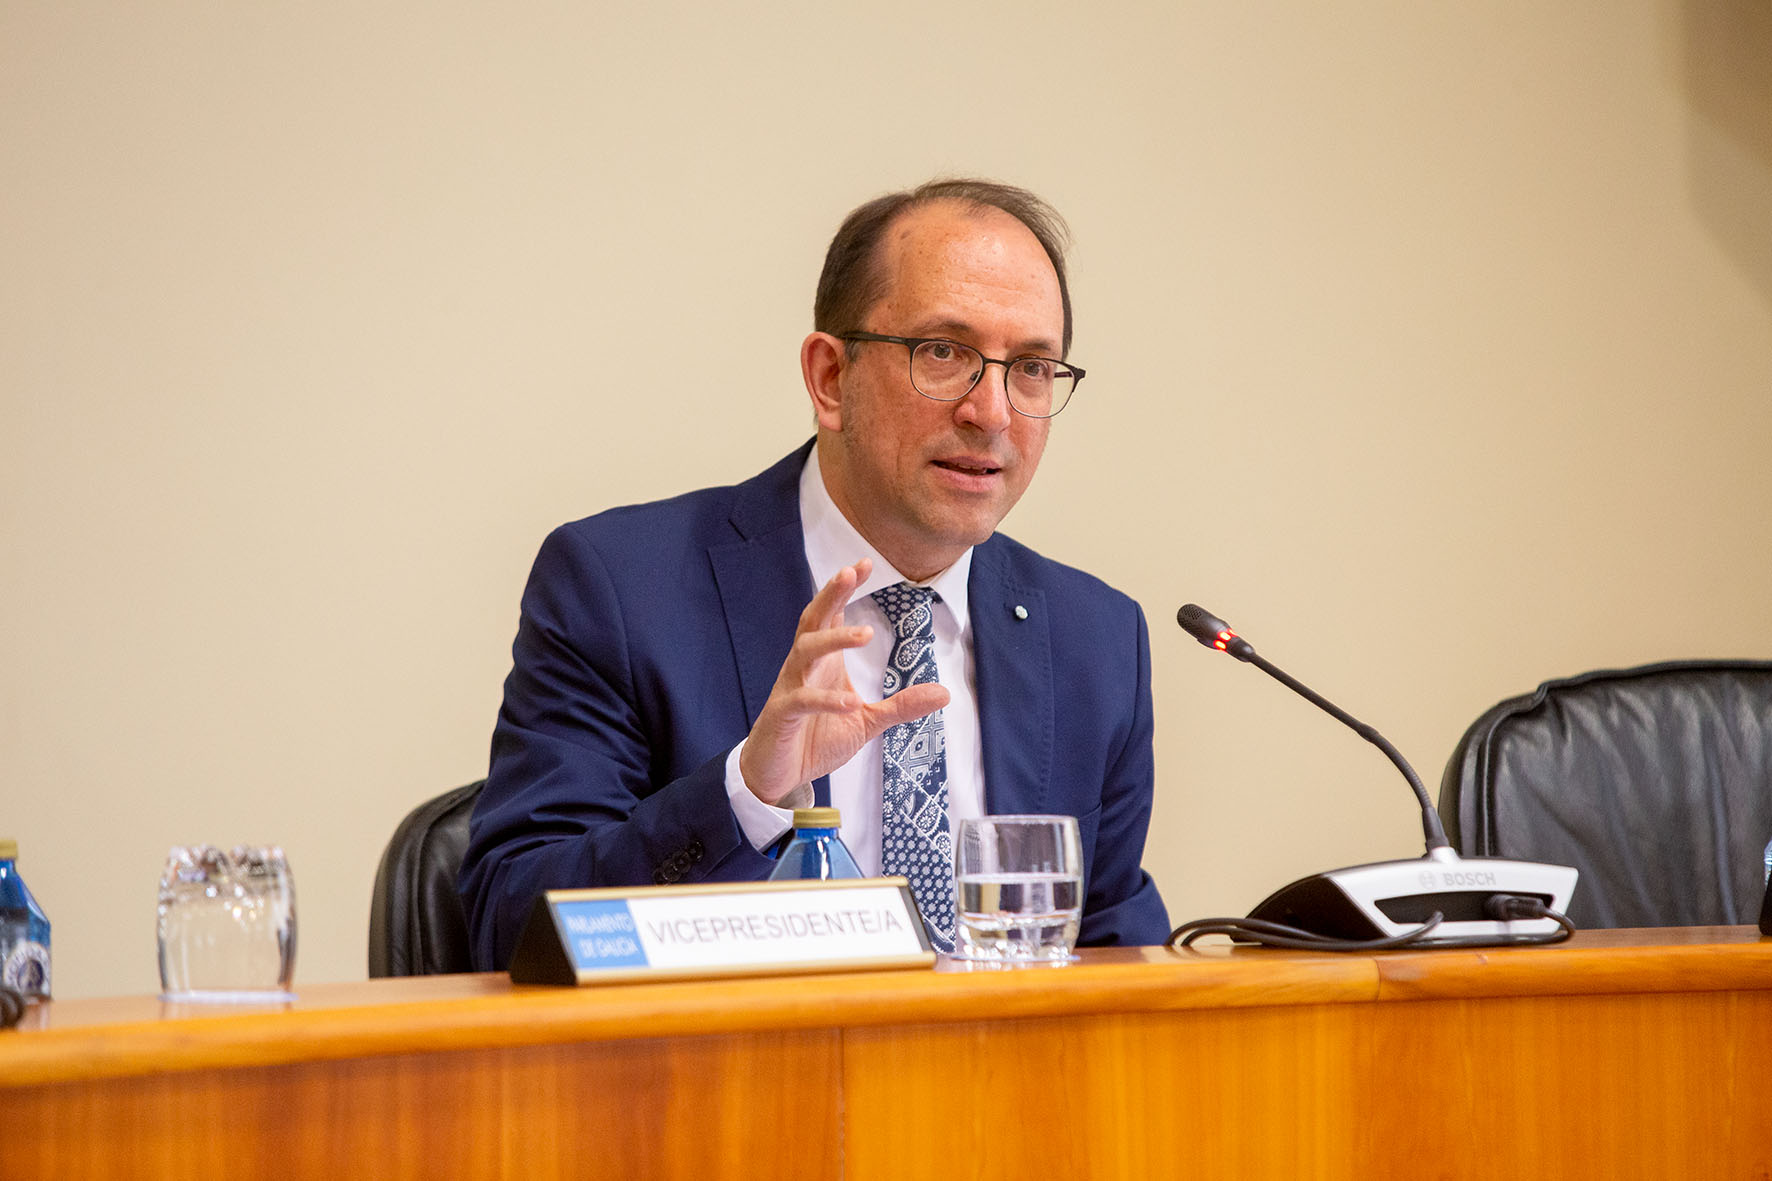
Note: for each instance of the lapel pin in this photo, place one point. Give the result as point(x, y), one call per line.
point(1020, 611)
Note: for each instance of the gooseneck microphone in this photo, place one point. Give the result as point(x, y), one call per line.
point(1437, 900)
point(1213, 632)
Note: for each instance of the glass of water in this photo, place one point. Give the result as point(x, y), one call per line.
point(1020, 883)
point(227, 924)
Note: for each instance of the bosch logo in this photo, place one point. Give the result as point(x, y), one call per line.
point(1457, 878)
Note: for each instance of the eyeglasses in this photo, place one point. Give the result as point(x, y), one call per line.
point(946, 371)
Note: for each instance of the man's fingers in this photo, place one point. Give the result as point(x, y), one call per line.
point(808, 700)
point(826, 608)
point(906, 705)
point(810, 646)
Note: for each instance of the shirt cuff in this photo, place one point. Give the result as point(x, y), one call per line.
point(762, 824)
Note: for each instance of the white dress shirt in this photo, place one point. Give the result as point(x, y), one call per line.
point(831, 544)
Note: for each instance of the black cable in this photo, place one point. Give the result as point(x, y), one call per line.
point(1507, 908)
point(1500, 907)
point(1270, 934)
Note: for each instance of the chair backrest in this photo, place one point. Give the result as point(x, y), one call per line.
point(417, 926)
point(1654, 782)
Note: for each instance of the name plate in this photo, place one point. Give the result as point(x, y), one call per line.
point(730, 929)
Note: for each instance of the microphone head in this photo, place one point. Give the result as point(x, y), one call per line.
point(1201, 624)
point(1212, 631)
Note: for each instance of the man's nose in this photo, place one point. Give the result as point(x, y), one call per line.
point(986, 405)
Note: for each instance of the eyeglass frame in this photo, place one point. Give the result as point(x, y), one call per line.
point(912, 343)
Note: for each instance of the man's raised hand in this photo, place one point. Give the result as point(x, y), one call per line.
point(814, 721)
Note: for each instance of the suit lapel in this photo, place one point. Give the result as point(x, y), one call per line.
point(1012, 654)
point(763, 578)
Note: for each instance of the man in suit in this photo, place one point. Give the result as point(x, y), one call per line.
point(679, 684)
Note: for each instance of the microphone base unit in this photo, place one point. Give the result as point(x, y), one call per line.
point(1388, 898)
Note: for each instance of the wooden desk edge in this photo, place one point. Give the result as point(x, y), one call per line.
point(1693, 959)
point(128, 1036)
point(488, 1011)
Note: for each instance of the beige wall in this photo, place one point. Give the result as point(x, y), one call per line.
point(1430, 344)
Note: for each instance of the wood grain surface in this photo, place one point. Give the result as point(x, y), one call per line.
point(1619, 1054)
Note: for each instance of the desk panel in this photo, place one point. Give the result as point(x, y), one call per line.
point(1261, 1092)
point(688, 1108)
point(1620, 1054)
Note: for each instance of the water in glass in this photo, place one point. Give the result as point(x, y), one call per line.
point(226, 924)
point(1019, 882)
point(1019, 916)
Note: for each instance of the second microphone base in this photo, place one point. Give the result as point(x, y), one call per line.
point(1387, 898)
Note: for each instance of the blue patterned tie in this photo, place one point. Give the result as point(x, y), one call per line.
point(915, 840)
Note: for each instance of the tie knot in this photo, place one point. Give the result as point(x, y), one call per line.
point(906, 604)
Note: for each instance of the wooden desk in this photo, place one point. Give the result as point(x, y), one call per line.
point(1620, 1054)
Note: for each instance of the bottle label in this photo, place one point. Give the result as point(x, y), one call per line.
point(26, 968)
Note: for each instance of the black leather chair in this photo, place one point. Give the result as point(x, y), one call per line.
point(417, 926)
point(1654, 782)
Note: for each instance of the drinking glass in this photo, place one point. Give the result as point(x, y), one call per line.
point(227, 924)
point(1020, 884)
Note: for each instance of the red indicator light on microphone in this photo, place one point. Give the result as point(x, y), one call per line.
point(1224, 638)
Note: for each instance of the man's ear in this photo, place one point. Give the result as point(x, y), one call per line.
point(822, 360)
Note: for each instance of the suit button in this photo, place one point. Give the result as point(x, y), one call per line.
point(695, 851)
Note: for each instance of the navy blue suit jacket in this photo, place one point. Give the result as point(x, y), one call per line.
point(649, 641)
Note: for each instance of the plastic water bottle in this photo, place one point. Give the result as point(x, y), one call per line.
point(1769, 863)
point(24, 931)
point(816, 851)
